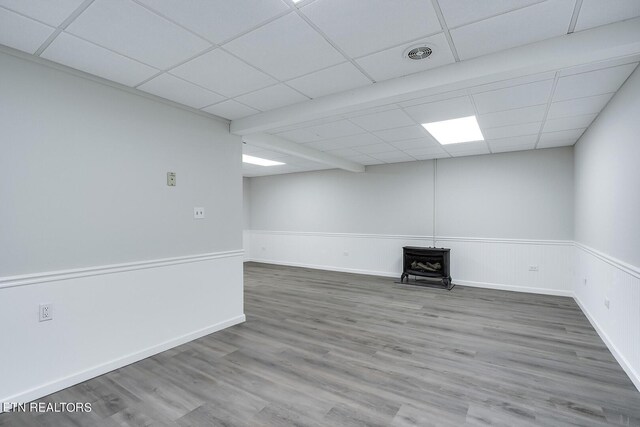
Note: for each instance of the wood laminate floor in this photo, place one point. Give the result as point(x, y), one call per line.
point(334, 349)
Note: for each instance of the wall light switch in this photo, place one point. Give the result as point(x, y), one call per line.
point(533, 268)
point(606, 302)
point(171, 179)
point(198, 213)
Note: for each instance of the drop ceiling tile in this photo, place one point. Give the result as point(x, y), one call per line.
point(326, 145)
point(90, 58)
point(344, 152)
point(384, 120)
point(575, 107)
point(512, 117)
point(470, 151)
point(568, 123)
point(335, 129)
point(392, 63)
point(430, 156)
point(399, 134)
point(230, 109)
point(132, 30)
point(513, 97)
point(512, 130)
point(414, 144)
point(424, 151)
point(357, 140)
point(218, 20)
point(523, 26)
point(556, 143)
point(594, 13)
point(393, 157)
point(52, 12)
point(596, 82)
point(600, 65)
point(479, 147)
point(363, 159)
point(330, 80)
point(433, 98)
point(358, 111)
point(382, 147)
point(22, 33)
point(527, 142)
point(272, 97)
point(301, 136)
point(363, 27)
point(442, 110)
point(459, 12)
point(178, 90)
point(518, 81)
point(285, 48)
point(223, 73)
point(547, 139)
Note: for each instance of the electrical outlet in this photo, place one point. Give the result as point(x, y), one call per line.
point(533, 268)
point(45, 312)
point(171, 179)
point(606, 302)
point(198, 213)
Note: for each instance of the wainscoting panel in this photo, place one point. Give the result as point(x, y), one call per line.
point(492, 263)
point(107, 317)
point(599, 277)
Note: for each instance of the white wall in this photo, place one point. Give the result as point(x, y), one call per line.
point(246, 216)
point(500, 214)
point(607, 224)
point(88, 224)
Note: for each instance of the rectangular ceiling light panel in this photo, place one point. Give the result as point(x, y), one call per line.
point(259, 161)
point(454, 131)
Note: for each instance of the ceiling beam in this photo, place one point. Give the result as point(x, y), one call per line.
point(281, 145)
point(603, 43)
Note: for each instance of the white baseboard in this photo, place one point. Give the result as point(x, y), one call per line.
point(503, 287)
point(326, 268)
point(624, 363)
point(68, 381)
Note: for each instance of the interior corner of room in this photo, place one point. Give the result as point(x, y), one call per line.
point(205, 224)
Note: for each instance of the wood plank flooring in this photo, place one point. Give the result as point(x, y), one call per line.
point(334, 349)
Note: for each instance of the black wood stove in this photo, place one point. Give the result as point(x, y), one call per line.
point(431, 263)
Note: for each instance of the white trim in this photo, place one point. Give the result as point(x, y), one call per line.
point(503, 287)
point(52, 276)
point(68, 381)
point(626, 366)
point(325, 267)
point(627, 268)
point(416, 237)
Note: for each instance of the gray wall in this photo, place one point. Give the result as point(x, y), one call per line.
point(525, 195)
point(607, 175)
point(246, 204)
point(84, 175)
point(521, 195)
point(389, 199)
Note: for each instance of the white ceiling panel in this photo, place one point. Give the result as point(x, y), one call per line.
point(513, 97)
point(330, 80)
point(430, 156)
point(426, 151)
point(512, 117)
point(523, 26)
point(527, 142)
point(272, 97)
point(391, 62)
point(218, 20)
point(568, 123)
point(230, 109)
point(467, 148)
point(393, 157)
point(355, 140)
point(90, 58)
point(415, 144)
point(547, 139)
point(345, 152)
point(399, 134)
point(178, 90)
point(223, 73)
point(325, 145)
point(556, 143)
point(22, 33)
point(362, 27)
point(433, 98)
point(383, 120)
point(372, 149)
point(513, 130)
point(335, 129)
point(460, 12)
point(594, 13)
point(132, 30)
point(592, 83)
point(442, 110)
point(575, 107)
point(363, 159)
point(286, 48)
point(52, 12)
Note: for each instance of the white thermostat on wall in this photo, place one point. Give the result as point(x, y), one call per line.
point(171, 179)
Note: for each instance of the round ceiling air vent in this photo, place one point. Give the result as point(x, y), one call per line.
point(419, 52)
